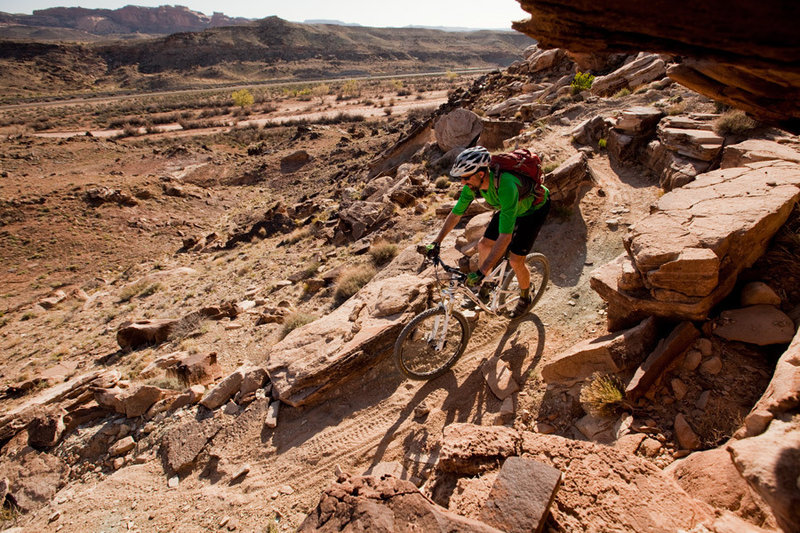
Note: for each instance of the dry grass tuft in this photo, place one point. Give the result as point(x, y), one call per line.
point(350, 281)
point(603, 396)
point(734, 122)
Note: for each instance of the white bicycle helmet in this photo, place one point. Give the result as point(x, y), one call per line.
point(470, 161)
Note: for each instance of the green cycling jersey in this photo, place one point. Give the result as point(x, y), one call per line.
point(505, 199)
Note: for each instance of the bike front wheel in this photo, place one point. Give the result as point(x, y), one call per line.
point(539, 267)
point(431, 343)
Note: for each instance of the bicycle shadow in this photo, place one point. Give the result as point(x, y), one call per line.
point(470, 401)
point(519, 350)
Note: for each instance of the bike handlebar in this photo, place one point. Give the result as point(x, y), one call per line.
point(460, 276)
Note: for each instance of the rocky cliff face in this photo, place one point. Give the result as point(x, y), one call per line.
point(129, 19)
point(745, 54)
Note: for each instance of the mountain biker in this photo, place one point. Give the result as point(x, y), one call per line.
point(515, 224)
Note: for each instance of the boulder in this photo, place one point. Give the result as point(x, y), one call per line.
point(783, 392)
point(611, 353)
point(758, 292)
point(694, 272)
point(570, 179)
point(98, 196)
point(685, 434)
point(46, 429)
point(667, 350)
point(699, 144)
point(470, 449)
point(673, 170)
point(295, 161)
point(639, 120)
point(545, 59)
point(499, 377)
point(145, 332)
point(711, 477)
point(196, 368)
point(753, 150)
point(225, 389)
point(495, 132)
point(769, 462)
point(521, 497)
point(467, 242)
point(731, 212)
point(590, 130)
point(181, 444)
point(33, 477)
point(758, 324)
point(360, 218)
point(383, 504)
point(611, 489)
point(644, 69)
point(316, 357)
point(459, 128)
point(122, 446)
point(131, 402)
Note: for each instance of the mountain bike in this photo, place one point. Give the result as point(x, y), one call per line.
point(434, 339)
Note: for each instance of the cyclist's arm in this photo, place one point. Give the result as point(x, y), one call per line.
point(449, 223)
point(454, 216)
point(496, 253)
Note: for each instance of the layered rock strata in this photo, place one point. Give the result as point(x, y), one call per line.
point(685, 256)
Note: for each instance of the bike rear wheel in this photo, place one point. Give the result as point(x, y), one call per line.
point(539, 268)
point(431, 343)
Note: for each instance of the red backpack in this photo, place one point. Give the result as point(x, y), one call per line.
point(527, 167)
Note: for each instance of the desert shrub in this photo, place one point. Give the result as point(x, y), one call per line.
point(142, 289)
point(676, 109)
point(350, 281)
point(421, 112)
point(166, 382)
point(622, 92)
point(734, 122)
point(382, 252)
point(294, 321)
point(350, 89)
point(242, 98)
point(602, 143)
point(442, 182)
point(549, 167)
point(581, 82)
point(603, 395)
point(129, 130)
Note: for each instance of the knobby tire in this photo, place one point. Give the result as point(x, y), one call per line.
point(417, 357)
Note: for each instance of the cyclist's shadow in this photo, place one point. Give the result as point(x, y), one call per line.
point(519, 352)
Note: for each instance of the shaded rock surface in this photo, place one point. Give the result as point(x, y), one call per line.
point(385, 505)
point(749, 61)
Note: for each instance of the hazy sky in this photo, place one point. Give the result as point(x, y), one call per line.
point(459, 13)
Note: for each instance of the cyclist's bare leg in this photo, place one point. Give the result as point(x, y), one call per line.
point(517, 263)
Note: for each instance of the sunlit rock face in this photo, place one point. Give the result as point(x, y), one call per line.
point(742, 53)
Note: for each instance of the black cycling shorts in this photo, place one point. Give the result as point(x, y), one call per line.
point(525, 230)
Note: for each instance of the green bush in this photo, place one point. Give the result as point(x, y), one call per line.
point(602, 143)
point(350, 281)
point(242, 98)
point(581, 82)
point(622, 92)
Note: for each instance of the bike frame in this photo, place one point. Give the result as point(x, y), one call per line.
point(455, 286)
